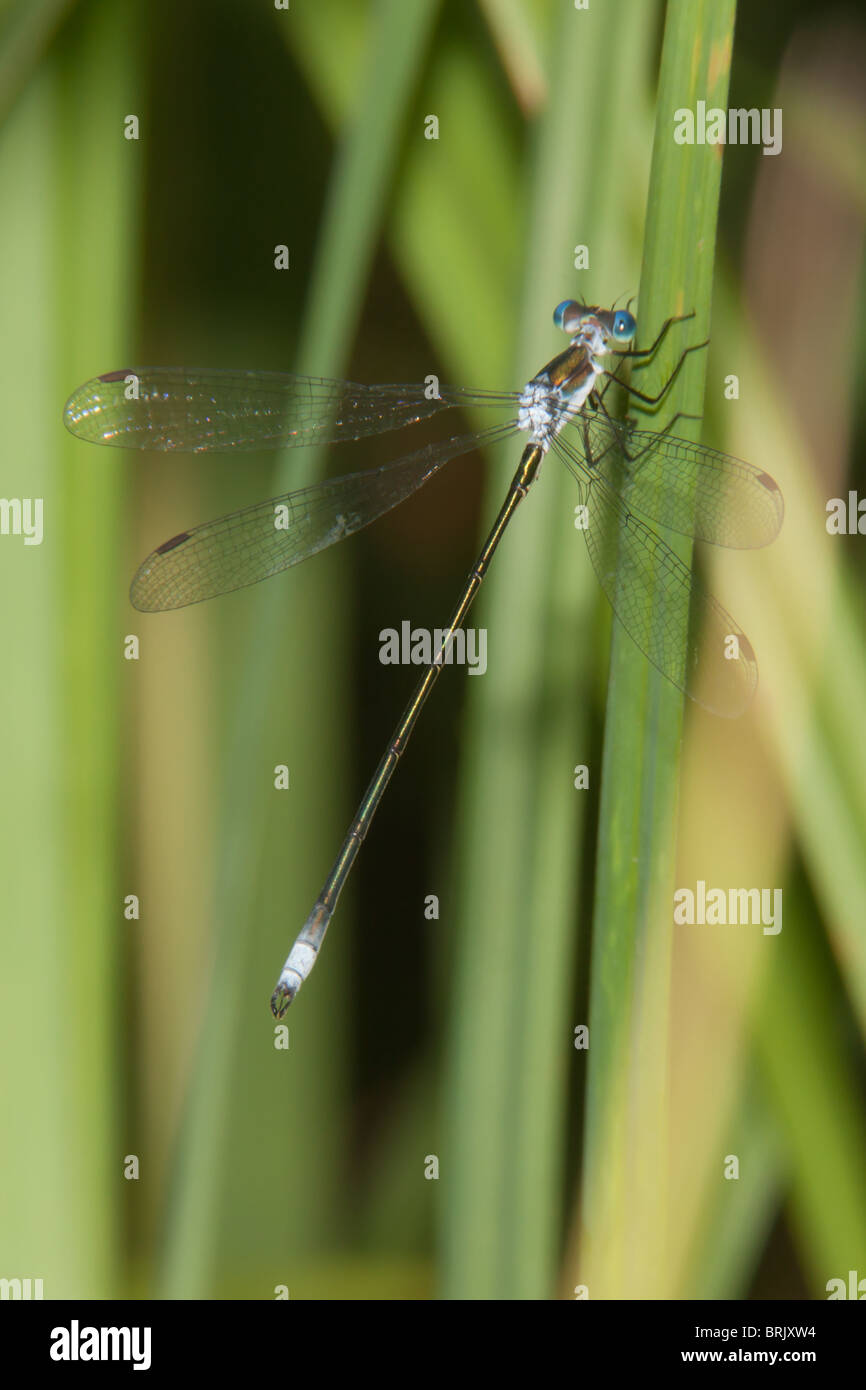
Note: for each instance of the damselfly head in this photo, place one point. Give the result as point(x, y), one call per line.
point(616, 324)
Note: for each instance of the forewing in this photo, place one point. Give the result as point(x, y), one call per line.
point(199, 410)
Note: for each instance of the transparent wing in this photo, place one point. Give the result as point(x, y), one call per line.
point(692, 490)
point(196, 410)
point(678, 625)
point(261, 540)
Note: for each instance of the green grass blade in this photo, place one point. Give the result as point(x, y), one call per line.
point(812, 630)
point(353, 212)
point(520, 817)
point(726, 1244)
point(623, 1208)
point(26, 30)
point(806, 1062)
point(62, 629)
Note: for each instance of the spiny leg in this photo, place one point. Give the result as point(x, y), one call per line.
point(652, 400)
point(642, 395)
point(620, 430)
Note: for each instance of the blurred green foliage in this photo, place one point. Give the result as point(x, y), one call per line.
point(409, 256)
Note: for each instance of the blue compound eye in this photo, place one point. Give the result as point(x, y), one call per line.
point(624, 325)
point(567, 315)
point(570, 316)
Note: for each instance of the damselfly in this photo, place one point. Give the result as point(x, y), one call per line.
point(626, 477)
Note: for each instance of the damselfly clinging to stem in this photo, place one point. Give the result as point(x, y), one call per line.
point(623, 475)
